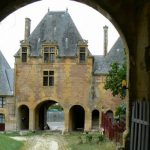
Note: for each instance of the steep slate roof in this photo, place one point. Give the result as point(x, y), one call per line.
point(6, 77)
point(55, 26)
point(116, 54)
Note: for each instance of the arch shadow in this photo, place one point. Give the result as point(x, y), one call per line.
point(95, 119)
point(23, 114)
point(76, 118)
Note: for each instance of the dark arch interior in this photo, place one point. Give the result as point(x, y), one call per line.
point(95, 119)
point(24, 117)
point(109, 113)
point(2, 122)
point(77, 117)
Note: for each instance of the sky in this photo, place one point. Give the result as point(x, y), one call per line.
point(88, 21)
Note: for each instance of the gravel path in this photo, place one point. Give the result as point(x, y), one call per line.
point(44, 142)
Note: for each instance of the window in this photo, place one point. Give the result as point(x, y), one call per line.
point(2, 118)
point(48, 78)
point(49, 54)
point(2, 102)
point(24, 54)
point(82, 55)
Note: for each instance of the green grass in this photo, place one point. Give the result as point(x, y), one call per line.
point(78, 141)
point(6, 143)
point(75, 140)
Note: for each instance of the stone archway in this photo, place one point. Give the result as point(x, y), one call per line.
point(76, 118)
point(110, 114)
point(23, 112)
point(41, 115)
point(95, 119)
point(134, 26)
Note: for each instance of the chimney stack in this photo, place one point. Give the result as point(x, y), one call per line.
point(27, 28)
point(105, 39)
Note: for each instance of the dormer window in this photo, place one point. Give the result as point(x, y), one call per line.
point(24, 54)
point(82, 54)
point(82, 51)
point(49, 54)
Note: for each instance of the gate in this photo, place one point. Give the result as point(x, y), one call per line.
point(112, 129)
point(140, 127)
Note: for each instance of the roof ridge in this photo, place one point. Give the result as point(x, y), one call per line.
point(8, 80)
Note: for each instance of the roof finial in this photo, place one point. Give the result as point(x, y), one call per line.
point(48, 9)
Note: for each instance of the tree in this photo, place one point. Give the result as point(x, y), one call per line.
point(55, 106)
point(114, 79)
point(120, 110)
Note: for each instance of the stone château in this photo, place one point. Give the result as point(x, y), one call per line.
point(54, 65)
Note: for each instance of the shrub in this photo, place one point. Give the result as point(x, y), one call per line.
point(88, 138)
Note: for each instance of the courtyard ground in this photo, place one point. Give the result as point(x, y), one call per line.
point(57, 141)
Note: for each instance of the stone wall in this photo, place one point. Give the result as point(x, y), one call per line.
point(74, 84)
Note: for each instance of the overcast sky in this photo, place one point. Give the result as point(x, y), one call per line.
point(88, 21)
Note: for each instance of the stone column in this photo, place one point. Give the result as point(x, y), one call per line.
point(66, 120)
point(88, 122)
point(100, 118)
point(31, 120)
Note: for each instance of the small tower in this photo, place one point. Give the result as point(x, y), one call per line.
point(27, 28)
point(105, 39)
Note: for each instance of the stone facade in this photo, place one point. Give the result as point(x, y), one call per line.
point(54, 65)
point(7, 99)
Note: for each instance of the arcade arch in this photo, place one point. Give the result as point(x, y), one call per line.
point(76, 118)
point(110, 114)
point(23, 115)
point(41, 114)
point(95, 119)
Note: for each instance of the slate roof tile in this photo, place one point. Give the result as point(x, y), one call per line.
point(6, 77)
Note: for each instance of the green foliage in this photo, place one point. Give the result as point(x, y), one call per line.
point(91, 138)
point(6, 143)
point(88, 138)
point(101, 138)
point(56, 107)
point(114, 79)
point(78, 141)
point(120, 110)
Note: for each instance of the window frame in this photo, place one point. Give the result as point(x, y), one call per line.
point(48, 78)
point(2, 102)
point(2, 118)
point(82, 54)
point(51, 54)
point(24, 54)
